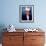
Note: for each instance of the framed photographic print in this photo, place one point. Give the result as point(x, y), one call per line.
point(26, 13)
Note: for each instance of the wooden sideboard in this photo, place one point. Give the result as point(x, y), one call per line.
point(23, 39)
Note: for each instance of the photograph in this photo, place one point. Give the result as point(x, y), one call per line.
point(26, 13)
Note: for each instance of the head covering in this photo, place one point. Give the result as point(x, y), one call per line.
point(27, 9)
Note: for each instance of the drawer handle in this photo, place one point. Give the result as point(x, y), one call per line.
point(33, 39)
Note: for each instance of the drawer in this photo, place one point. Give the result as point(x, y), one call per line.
point(12, 39)
point(34, 39)
point(37, 44)
point(37, 39)
point(7, 39)
point(9, 45)
point(13, 33)
point(12, 44)
point(34, 33)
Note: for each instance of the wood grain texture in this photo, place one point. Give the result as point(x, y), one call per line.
point(13, 39)
point(34, 39)
point(23, 39)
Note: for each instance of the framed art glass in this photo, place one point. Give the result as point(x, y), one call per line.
point(26, 13)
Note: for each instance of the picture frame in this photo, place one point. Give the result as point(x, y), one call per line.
point(26, 13)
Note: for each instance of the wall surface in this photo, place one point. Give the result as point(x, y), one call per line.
point(9, 13)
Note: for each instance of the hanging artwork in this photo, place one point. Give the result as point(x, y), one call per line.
point(26, 13)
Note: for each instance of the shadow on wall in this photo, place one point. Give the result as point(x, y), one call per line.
point(2, 26)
